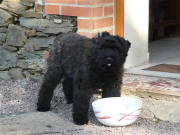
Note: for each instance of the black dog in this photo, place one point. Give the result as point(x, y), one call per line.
point(85, 66)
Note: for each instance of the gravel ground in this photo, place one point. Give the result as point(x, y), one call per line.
point(18, 97)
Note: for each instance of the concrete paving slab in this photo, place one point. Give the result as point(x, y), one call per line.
point(35, 123)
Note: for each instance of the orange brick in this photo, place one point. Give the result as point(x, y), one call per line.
point(87, 34)
point(95, 23)
point(52, 9)
point(75, 11)
point(61, 1)
point(93, 34)
point(81, 11)
point(105, 22)
point(104, 1)
point(85, 24)
point(93, 2)
point(86, 2)
point(108, 10)
point(97, 12)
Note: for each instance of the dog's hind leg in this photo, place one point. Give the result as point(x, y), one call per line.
point(51, 80)
point(68, 89)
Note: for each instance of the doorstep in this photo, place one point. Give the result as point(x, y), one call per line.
point(160, 95)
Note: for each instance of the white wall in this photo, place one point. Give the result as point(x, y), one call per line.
point(136, 23)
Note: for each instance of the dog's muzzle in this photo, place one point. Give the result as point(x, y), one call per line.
point(109, 61)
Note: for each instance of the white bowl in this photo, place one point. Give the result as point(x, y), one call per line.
point(117, 111)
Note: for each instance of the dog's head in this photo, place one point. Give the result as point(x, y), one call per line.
point(110, 51)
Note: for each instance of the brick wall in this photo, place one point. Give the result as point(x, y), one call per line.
point(92, 15)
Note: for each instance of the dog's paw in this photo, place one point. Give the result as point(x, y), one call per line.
point(79, 119)
point(43, 108)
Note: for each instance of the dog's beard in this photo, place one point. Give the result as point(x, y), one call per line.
point(104, 68)
point(110, 68)
point(100, 65)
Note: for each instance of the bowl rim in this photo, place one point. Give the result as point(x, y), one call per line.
point(124, 97)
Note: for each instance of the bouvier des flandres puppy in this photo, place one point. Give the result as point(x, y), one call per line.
point(85, 65)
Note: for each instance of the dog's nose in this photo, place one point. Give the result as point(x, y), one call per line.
point(109, 58)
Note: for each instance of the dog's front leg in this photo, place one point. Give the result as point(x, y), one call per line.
point(80, 107)
point(111, 90)
point(81, 99)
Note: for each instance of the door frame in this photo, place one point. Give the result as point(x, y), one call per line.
point(119, 17)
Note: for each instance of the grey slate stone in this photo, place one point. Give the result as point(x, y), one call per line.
point(35, 65)
point(4, 75)
point(16, 74)
point(31, 1)
point(32, 14)
point(46, 26)
point(28, 4)
point(5, 18)
point(3, 29)
point(14, 6)
point(24, 54)
point(35, 44)
point(29, 32)
point(7, 59)
point(15, 36)
point(10, 48)
point(41, 34)
point(22, 64)
point(2, 37)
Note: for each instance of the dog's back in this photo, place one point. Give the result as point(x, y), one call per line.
point(72, 50)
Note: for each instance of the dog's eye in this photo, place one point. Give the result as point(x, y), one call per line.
point(115, 49)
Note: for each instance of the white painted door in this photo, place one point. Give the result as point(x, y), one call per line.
point(136, 25)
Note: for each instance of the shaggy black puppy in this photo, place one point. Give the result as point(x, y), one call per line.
point(85, 65)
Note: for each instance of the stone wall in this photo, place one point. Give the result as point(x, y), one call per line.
point(25, 36)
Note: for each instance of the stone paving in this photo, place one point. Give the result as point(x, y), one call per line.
point(35, 123)
point(157, 85)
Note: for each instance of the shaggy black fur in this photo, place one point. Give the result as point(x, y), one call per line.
point(85, 66)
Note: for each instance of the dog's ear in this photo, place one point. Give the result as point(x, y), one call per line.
point(126, 44)
point(100, 35)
